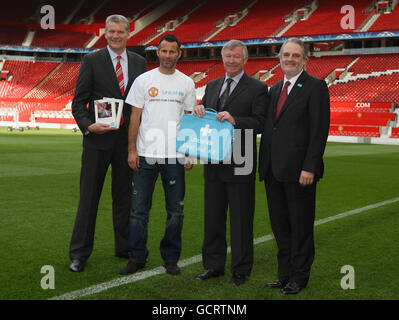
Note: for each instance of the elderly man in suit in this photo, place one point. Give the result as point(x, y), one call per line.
point(241, 100)
point(108, 72)
point(291, 163)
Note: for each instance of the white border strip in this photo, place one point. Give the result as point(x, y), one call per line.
point(186, 262)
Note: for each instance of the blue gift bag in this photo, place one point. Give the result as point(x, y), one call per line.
point(205, 138)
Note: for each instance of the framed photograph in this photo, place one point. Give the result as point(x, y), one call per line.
point(118, 109)
point(105, 112)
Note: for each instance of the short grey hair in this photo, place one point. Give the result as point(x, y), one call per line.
point(232, 44)
point(297, 41)
point(117, 18)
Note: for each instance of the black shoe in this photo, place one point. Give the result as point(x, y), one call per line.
point(172, 268)
point(210, 273)
point(277, 284)
point(132, 267)
point(237, 279)
point(76, 265)
point(291, 288)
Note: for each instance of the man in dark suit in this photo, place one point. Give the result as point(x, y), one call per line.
point(108, 72)
point(291, 152)
point(242, 101)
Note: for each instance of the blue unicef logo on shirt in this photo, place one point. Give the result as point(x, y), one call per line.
point(173, 93)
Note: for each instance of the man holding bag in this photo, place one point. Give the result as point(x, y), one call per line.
point(240, 100)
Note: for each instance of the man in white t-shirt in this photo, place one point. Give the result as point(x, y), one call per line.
point(159, 98)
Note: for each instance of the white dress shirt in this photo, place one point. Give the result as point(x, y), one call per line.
point(233, 84)
point(292, 81)
point(114, 59)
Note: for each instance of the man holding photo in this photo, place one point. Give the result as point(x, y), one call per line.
point(109, 73)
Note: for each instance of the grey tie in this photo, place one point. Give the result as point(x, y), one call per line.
point(225, 95)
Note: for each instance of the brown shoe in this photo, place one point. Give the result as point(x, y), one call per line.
point(172, 268)
point(132, 267)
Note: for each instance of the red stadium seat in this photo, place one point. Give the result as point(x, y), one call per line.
point(395, 133)
point(326, 19)
point(355, 131)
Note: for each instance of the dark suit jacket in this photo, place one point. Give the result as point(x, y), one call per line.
point(296, 140)
point(247, 104)
point(97, 79)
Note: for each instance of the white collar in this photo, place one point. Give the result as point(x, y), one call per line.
point(237, 78)
point(114, 55)
point(293, 79)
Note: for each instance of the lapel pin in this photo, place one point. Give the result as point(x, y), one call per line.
point(299, 85)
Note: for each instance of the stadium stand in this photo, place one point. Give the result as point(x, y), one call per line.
point(355, 131)
point(260, 21)
point(395, 133)
point(60, 78)
point(85, 13)
point(64, 9)
point(60, 39)
point(62, 81)
point(12, 36)
point(325, 20)
point(25, 75)
point(387, 21)
point(367, 64)
point(18, 11)
point(25, 107)
point(360, 119)
point(385, 89)
point(128, 8)
point(135, 10)
point(214, 11)
point(164, 23)
point(348, 106)
point(359, 83)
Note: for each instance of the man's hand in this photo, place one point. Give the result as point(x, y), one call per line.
point(188, 163)
point(225, 116)
point(133, 160)
point(306, 178)
point(100, 128)
point(199, 111)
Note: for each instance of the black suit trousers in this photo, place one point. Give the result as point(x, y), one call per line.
point(292, 214)
point(95, 164)
point(239, 198)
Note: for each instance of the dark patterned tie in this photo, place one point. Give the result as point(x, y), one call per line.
point(282, 98)
point(225, 95)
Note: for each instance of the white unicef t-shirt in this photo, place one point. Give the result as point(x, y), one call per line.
point(163, 99)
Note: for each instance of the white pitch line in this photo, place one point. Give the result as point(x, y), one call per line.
point(195, 259)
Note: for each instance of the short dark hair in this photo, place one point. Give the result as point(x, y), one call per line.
point(170, 37)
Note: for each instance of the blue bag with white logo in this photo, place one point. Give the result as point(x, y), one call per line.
point(205, 138)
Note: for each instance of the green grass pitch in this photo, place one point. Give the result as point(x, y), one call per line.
point(39, 188)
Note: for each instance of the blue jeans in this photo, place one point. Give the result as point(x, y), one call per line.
point(173, 182)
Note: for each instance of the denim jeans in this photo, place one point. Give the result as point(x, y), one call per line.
point(173, 181)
